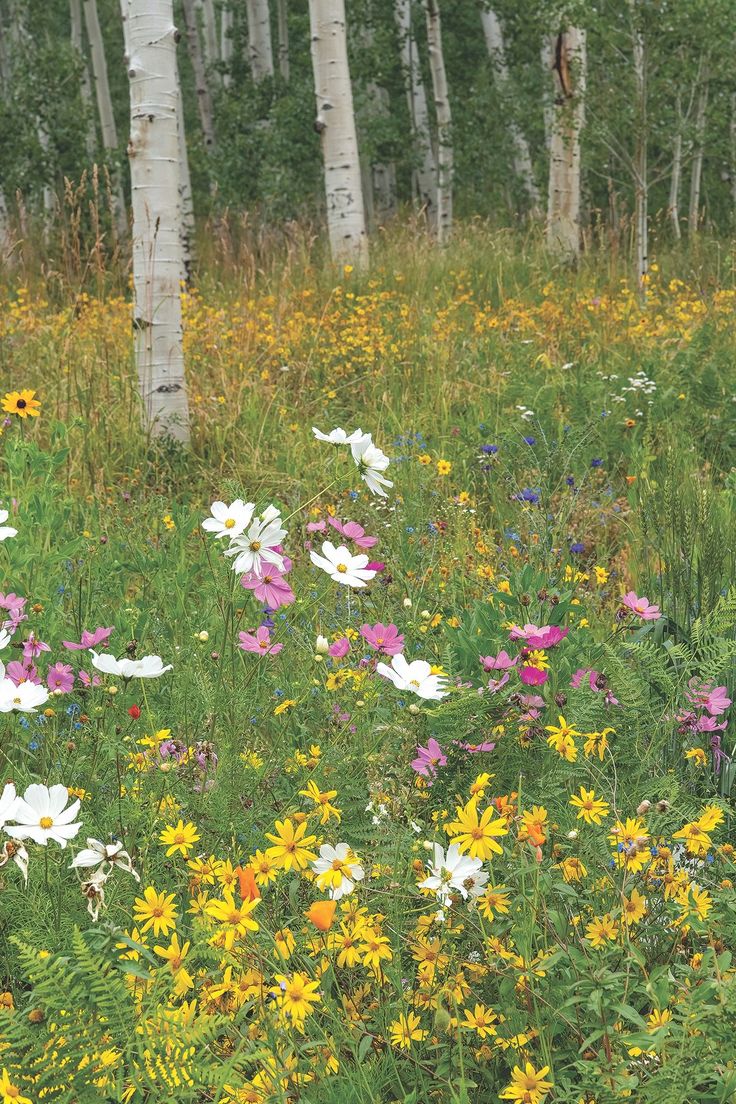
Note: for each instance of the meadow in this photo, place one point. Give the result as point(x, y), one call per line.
point(424, 792)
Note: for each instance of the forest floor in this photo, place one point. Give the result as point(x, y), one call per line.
point(502, 870)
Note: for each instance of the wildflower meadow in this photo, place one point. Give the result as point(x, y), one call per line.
point(377, 747)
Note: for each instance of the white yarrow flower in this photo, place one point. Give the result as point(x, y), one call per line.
point(150, 666)
point(342, 566)
point(41, 815)
point(229, 521)
point(416, 677)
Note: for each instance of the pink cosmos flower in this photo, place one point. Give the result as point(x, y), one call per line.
point(89, 680)
point(546, 637)
point(15, 605)
point(500, 662)
point(61, 677)
point(517, 633)
point(386, 639)
point(260, 643)
point(376, 565)
point(597, 682)
point(713, 698)
point(353, 532)
point(533, 676)
point(19, 672)
point(340, 648)
point(98, 638)
point(641, 607)
point(271, 588)
point(316, 526)
point(494, 685)
point(474, 749)
point(33, 647)
point(708, 724)
point(429, 758)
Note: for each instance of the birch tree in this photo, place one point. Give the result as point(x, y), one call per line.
point(641, 150)
point(563, 199)
point(226, 40)
point(282, 21)
point(157, 259)
point(77, 35)
point(108, 130)
point(696, 173)
point(201, 84)
point(424, 175)
point(335, 123)
point(521, 156)
point(260, 49)
point(673, 207)
point(444, 122)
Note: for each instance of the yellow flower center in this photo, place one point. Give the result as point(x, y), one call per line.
point(255, 546)
point(46, 822)
point(414, 682)
point(230, 523)
point(262, 643)
point(342, 568)
point(337, 864)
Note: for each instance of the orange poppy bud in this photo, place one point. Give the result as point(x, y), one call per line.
point(321, 914)
point(249, 891)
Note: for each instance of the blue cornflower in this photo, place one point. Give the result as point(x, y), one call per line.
point(570, 481)
point(489, 450)
point(596, 463)
point(530, 440)
point(528, 495)
point(578, 546)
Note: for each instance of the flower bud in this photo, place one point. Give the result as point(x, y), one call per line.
point(203, 636)
point(322, 646)
point(663, 806)
point(644, 808)
point(407, 603)
point(413, 709)
point(425, 615)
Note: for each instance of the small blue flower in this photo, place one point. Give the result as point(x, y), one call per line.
point(489, 450)
point(530, 440)
point(528, 495)
point(596, 463)
point(577, 547)
point(353, 495)
point(570, 481)
point(410, 528)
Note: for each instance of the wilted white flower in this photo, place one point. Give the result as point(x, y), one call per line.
point(229, 521)
point(41, 815)
point(104, 855)
point(342, 566)
point(416, 677)
point(13, 849)
point(371, 463)
point(150, 666)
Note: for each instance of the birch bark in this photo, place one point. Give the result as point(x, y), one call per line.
point(75, 19)
point(673, 208)
point(335, 123)
point(108, 129)
point(641, 171)
point(444, 122)
point(424, 175)
point(260, 49)
point(563, 200)
point(696, 175)
point(283, 33)
point(522, 157)
point(157, 261)
point(202, 88)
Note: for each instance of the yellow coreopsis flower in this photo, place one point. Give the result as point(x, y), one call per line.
point(323, 801)
point(633, 908)
point(291, 847)
point(10, 1092)
point(155, 910)
point(481, 1020)
point(296, 995)
point(406, 1030)
point(474, 835)
point(527, 1085)
point(601, 930)
point(698, 756)
point(590, 808)
point(181, 838)
point(235, 919)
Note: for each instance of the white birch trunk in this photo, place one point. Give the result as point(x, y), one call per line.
point(563, 200)
point(424, 176)
point(209, 32)
point(226, 41)
point(157, 263)
point(187, 223)
point(202, 88)
point(108, 129)
point(673, 209)
point(260, 50)
point(547, 56)
point(335, 123)
point(641, 171)
point(444, 122)
point(696, 176)
point(75, 19)
point(521, 157)
point(283, 33)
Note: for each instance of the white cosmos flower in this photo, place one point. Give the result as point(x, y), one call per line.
point(255, 547)
point(26, 697)
point(101, 854)
point(6, 530)
point(342, 566)
point(341, 436)
point(416, 677)
point(337, 870)
point(8, 800)
point(41, 815)
point(229, 521)
point(4, 638)
point(454, 873)
point(371, 463)
point(151, 666)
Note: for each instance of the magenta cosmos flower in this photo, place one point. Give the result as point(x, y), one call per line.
point(271, 588)
point(500, 662)
point(259, 642)
point(641, 607)
point(98, 638)
point(713, 698)
point(60, 677)
point(340, 648)
point(354, 532)
point(33, 647)
point(429, 758)
point(546, 637)
point(386, 639)
point(533, 676)
point(19, 672)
